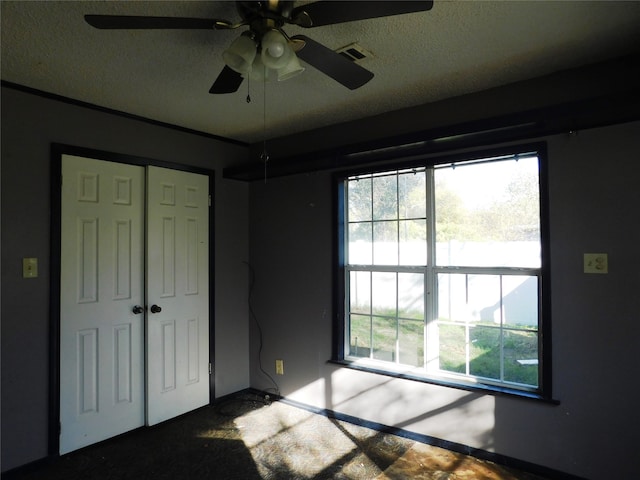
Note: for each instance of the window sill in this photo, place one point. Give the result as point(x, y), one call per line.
point(476, 388)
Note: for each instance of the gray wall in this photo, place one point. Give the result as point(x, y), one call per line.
point(594, 202)
point(29, 125)
point(594, 199)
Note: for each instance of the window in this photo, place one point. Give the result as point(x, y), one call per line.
point(442, 272)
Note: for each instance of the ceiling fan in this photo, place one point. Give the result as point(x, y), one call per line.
point(264, 50)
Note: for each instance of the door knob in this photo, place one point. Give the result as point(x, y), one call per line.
point(155, 309)
point(137, 310)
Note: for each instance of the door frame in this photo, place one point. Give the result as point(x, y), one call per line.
point(57, 151)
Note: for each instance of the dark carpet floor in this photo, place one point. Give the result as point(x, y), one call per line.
point(245, 438)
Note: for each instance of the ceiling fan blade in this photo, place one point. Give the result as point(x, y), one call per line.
point(133, 22)
point(333, 64)
point(227, 82)
point(321, 13)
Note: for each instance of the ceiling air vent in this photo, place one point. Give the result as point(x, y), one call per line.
point(354, 52)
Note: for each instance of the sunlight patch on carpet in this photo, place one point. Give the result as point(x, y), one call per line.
point(307, 443)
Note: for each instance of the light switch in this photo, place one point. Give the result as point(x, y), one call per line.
point(29, 267)
point(596, 263)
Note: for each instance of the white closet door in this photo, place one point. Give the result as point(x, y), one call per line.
point(101, 338)
point(177, 293)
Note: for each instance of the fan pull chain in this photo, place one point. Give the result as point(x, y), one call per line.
point(264, 156)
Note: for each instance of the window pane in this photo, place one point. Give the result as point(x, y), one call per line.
point(359, 200)
point(411, 295)
point(384, 293)
point(360, 251)
point(452, 297)
point(469, 298)
point(360, 336)
point(484, 352)
point(488, 214)
point(412, 195)
point(385, 198)
point(453, 350)
point(521, 357)
point(483, 299)
point(520, 301)
point(413, 242)
point(411, 342)
point(360, 292)
point(385, 331)
point(385, 243)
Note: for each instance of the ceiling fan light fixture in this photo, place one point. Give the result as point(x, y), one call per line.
point(290, 70)
point(240, 54)
point(276, 51)
point(260, 73)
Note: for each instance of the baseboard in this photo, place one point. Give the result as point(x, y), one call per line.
point(479, 453)
point(27, 468)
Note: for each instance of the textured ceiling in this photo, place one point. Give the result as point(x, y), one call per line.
point(457, 47)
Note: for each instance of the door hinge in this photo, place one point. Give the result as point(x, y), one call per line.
point(209, 200)
point(210, 369)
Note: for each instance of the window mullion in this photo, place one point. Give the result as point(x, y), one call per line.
point(397, 342)
point(371, 240)
point(397, 356)
point(371, 312)
point(467, 348)
point(501, 332)
point(432, 341)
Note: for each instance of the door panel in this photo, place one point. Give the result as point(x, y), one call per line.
point(178, 286)
point(101, 339)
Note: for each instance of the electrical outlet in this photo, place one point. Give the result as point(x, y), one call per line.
point(279, 367)
point(596, 263)
point(29, 267)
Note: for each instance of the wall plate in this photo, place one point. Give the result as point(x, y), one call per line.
point(596, 263)
point(29, 267)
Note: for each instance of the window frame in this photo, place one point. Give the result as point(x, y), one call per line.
point(340, 337)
